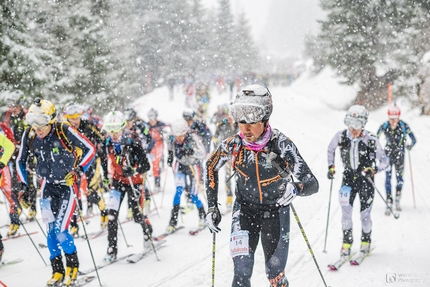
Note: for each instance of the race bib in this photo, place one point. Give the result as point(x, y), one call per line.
point(239, 243)
point(113, 200)
point(45, 210)
point(344, 195)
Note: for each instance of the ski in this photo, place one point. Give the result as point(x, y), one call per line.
point(357, 260)
point(81, 281)
point(343, 259)
point(19, 235)
point(197, 231)
point(162, 236)
point(93, 235)
point(134, 258)
point(10, 262)
point(103, 264)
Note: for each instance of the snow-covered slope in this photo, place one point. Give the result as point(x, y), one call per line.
point(310, 112)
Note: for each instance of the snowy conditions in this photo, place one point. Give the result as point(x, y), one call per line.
point(310, 112)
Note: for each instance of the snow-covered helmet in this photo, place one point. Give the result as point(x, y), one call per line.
point(130, 114)
point(41, 113)
point(73, 111)
point(188, 114)
point(179, 127)
point(394, 112)
point(16, 98)
point(152, 114)
point(251, 105)
point(356, 117)
point(114, 122)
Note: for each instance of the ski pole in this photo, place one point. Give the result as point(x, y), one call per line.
point(307, 241)
point(31, 239)
point(152, 194)
point(88, 240)
point(145, 225)
point(164, 188)
point(198, 181)
point(286, 173)
point(396, 216)
point(328, 215)
point(412, 178)
point(213, 257)
point(123, 234)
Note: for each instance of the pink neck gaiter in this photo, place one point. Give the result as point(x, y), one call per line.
point(261, 143)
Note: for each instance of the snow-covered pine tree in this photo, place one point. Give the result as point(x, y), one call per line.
point(74, 32)
point(22, 63)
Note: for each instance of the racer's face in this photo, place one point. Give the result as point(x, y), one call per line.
point(355, 133)
point(393, 123)
point(15, 110)
point(75, 122)
point(251, 132)
point(116, 136)
point(42, 131)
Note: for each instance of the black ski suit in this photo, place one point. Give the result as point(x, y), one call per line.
point(255, 211)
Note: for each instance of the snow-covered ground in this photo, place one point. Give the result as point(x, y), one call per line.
point(309, 112)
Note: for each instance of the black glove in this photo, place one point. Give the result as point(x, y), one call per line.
point(331, 172)
point(2, 165)
point(213, 219)
point(127, 171)
point(368, 172)
point(409, 146)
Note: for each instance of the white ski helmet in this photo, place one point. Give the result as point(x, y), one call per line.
point(114, 122)
point(252, 104)
point(356, 117)
point(179, 127)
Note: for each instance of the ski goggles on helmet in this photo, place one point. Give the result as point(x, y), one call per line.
point(38, 120)
point(247, 113)
point(354, 123)
point(73, 111)
point(113, 127)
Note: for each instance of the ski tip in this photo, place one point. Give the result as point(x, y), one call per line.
point(332, 267)
point(354, 263)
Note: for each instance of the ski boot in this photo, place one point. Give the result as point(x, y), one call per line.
point(31, 215)
point(74, 231)
point(72, 264)
point(111, 254)
point(345, 251)
point(57, 272)
point(389, 204)
point(129, 214)
point(398, 196)
point(280, 281)
point(229, 203)
point(13, 229)
point(104, 220)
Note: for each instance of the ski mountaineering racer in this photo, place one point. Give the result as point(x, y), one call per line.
point(263, 196)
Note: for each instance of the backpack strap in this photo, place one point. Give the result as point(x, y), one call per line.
point(62, 136)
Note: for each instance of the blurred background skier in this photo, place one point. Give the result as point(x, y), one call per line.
point(186, 148)
point(396, 132)
point(157, 152)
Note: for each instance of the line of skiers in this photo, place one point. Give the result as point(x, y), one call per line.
point(63, 154)
point(265, 163)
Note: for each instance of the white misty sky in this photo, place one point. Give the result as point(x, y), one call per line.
point(279, 27)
